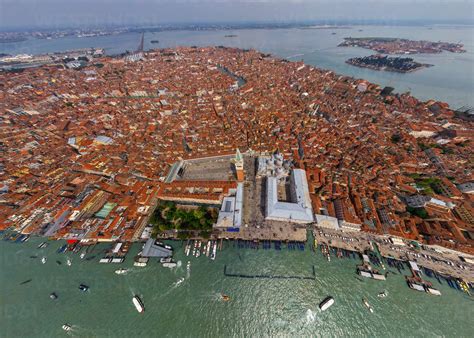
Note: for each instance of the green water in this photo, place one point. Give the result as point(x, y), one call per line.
point(259, 307)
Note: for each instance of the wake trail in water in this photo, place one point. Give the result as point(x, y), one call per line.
point(310, 316)
point(294, 56)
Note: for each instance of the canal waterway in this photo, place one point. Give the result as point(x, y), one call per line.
point(193, 308)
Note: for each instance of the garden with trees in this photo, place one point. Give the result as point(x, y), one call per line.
point(168, 216)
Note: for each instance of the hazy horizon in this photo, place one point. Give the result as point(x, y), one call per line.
point(27, 14)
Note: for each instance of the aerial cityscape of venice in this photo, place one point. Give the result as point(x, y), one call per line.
point(223, 176)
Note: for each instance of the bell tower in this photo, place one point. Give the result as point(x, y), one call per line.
point(239, 165)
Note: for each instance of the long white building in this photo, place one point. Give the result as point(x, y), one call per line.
point(299, 210)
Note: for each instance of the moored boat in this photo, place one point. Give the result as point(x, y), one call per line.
point(140, 261)
point(62, 248)
point(43, 245)
point(121, 271)
point(163, 245)
point(169, 265)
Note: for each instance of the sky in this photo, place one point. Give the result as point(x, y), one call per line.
point(57, 13)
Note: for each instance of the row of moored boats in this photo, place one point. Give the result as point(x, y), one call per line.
point(197, 248)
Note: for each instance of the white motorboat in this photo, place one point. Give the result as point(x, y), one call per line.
point(43, 260)
point(326, 303)
point(121, 271)
point(214, 251)
point(67, 327)
point(169, 265)
point(69, 262)
point(138, 304)
point(367, 305)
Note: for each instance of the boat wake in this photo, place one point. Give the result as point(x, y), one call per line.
point(177, 283)
point(294, 56)
point(216, 296)
point(310, 316)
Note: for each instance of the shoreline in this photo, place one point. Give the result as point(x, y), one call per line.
point(360, 244)
point(333, 239)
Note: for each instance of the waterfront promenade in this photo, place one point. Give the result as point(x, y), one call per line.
point(441, 260)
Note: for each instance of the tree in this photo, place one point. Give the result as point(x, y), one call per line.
point(396, 138)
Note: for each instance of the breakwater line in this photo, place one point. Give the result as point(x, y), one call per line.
point(239, 275)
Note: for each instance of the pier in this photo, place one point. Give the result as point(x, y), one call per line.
point(238, 275)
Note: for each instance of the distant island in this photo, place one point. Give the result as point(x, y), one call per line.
point(402, 46)
point(10, 39)
point(391, 64)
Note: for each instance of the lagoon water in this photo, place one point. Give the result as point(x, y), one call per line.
point(193, 308)
point(450, 80)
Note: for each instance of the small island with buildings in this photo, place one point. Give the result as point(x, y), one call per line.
point(387, 63)
point(402, 46)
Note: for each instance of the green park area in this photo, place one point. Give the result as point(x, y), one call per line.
point(430, 185)
point(168, 216)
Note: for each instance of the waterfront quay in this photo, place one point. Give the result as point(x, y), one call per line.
point(444, 261)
